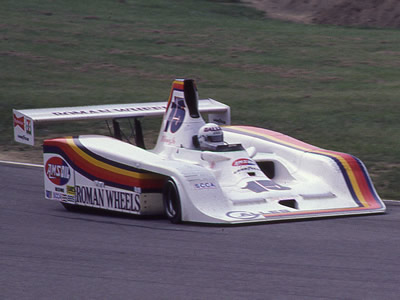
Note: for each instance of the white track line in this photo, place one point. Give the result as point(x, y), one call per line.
point(392, 201)
point(20, 164)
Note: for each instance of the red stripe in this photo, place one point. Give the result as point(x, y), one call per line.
point(176, 85)
point(101, 173)
point(360, 175)
point(282, 137)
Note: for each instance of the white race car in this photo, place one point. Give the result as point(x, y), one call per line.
point(198, 171)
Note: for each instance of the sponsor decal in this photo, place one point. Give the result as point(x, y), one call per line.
point(99, 183)
point(113, 110)
point(20, 122)
point(246, 169)
point(246, 215)
point(106, 198)
point(219, 121)
point(70, 190)
point(243, 162)
point(59, 196)
point(214, 128)
point(168, 141)
point(70, 198)
point(57, 171)
point(23, 137)
point(205, 185)
point(176, 115)
point(28, 127)
point(23, 128)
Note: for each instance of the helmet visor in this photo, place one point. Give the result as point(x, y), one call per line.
point(215, 138)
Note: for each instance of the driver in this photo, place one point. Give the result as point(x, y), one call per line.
point(210, 137)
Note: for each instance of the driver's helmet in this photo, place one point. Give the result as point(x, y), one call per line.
point(210, 136)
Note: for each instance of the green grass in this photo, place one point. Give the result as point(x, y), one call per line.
point(333, 87)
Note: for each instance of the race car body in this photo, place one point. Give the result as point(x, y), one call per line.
point(252, 175)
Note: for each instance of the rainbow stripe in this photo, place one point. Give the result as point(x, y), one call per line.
point(352, 169)
point(96, 167)
point(176, 85)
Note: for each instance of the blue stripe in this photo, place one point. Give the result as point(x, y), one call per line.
point(57, 150)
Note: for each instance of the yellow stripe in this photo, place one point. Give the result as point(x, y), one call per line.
point(351, 175)
point(345, 164)
point(172, 90)
point(106, 166)
point(269, 137)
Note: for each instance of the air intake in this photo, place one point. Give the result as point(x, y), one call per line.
point(289, 203)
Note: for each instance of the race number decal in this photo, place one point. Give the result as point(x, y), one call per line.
point(260, 186)
point(176, 115)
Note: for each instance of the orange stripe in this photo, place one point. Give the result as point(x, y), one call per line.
point(359, 181)
point(176, 85)
point(102, 170)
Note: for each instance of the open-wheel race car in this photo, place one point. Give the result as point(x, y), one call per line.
point(198, 172)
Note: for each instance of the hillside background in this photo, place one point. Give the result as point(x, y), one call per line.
point(371, 13)
point(336, 87)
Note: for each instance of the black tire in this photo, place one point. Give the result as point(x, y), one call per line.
point(172, 202)
point(70, 207)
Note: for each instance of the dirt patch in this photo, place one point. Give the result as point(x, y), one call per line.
point(31, 155)
point(282, 72)
point(23, 55)
point(370, 13)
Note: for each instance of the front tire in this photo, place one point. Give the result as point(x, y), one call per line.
point(172, 202)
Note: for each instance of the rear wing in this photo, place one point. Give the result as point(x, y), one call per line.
point(24, 120)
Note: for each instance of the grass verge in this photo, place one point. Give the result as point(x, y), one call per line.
point(333, 87)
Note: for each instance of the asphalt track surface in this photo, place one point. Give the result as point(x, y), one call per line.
point(47, 252)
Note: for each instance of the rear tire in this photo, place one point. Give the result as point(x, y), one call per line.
point(172, 202)
point(70, 207)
